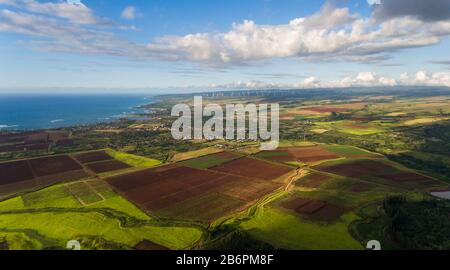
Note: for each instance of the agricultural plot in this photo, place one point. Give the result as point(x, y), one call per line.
point(253, 168)
point(209, 161)
point(21, 175)
point(84, 193)
point(350, 151)
point(17, 171)
point(48, 218)
point(181, 192)
point(313, 180)
point(311, 154)
point(279, 155)
point(107, 166)
point(147, 245)
point(289, 230)
point(206, 207)
point(378, 171)
point(53, 165)
point(91, 157)
point(315, 209)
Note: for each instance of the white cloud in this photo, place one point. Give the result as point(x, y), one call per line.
point(332, 34)
point(362, 79)
point(72, 10)
point(129, 13)
point(374, 2)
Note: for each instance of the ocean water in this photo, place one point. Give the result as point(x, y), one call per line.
point(40, 111)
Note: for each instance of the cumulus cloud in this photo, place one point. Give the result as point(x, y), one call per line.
point(362, 79)
point(74, 11)
point(331, 34)
point(425, 10)
point(129, 13)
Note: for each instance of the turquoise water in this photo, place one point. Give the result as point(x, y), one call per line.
point(27, 112)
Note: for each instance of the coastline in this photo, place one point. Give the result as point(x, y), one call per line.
point(43, 112)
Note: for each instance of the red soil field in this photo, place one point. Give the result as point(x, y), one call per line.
point(314, 209)
point(147, 245)
point(329, 212)
point(247, 189)
point(295, 203)
point(360, 187)
point(311, 154)
point(359, 168)
point(36, 146)
point(311, 207)
point(408, 177)
point(92, 157)
point(280, 155)
point(313, 180)
point(163, 188)
point(253, 168)
point(65, 142)
point(154, 189)
point(12, 172)
point(107, 166)
point(53, 165)
point(27, 174)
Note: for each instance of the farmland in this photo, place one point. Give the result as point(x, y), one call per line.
point(182, 192)
point(52, 216)
point(340, 159)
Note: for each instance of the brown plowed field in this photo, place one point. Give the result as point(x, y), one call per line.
point(360, 187)
point(93, 157)
point(167, 189)
point(311, 154)
point(33, 173)
point(315, 209)
point(147, 245)
point(359, 168)
point(253, 168)
point(280, 155)
point(380, 170)
point(107, 166)
point(247, 189)
point(53, 165)
point(12, 172)
point(313, 180)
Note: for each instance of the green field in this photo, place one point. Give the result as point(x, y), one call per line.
point(349, 151)
point(133, 160)
point(205, 162)
point(51, 217)
point(287, 231)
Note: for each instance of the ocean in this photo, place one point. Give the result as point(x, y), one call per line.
point(42, 111)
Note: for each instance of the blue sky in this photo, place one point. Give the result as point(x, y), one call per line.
point(169, 45)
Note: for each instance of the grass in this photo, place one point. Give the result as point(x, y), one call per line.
point(347, 151)
point(52, 216)
point(361, 131)
point(62, 227)
point(288, 231)
point(133, 160)
point(218, 205)
point(424, 121)
point(194, 154)
point(84, 193)
point(205, 162)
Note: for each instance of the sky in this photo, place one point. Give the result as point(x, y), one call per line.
point(180, 45)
